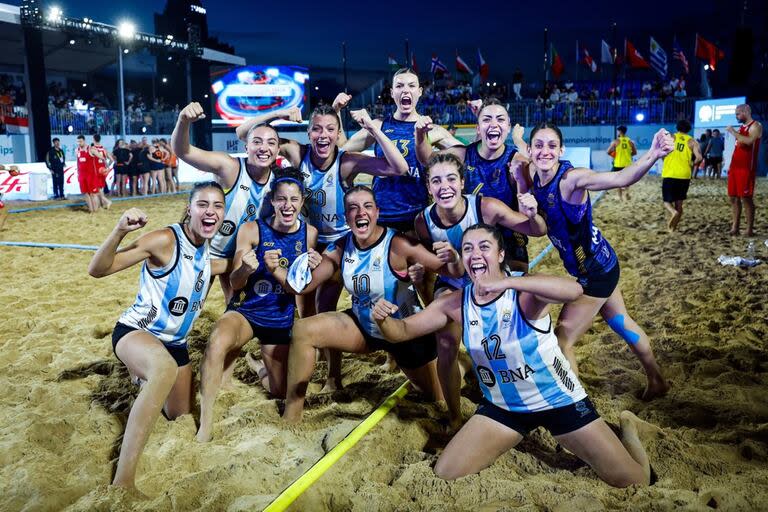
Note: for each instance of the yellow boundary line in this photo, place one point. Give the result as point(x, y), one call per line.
point(297, 488)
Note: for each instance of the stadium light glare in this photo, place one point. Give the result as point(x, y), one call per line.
point(126, 50)
point(165, 80)
point(706, 67)
point(126, 30)
point(317, 88)
point(143, 129)
point(205, 95)
point(55, 14)
point(71, 41)
point(70, 128)
point(85, 84)
point(639, 117)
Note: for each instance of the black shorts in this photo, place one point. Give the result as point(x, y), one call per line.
point(121, 169)
point(180, 354)
point(409, 354)
point(674, 189)
point(715, 160)
point(616, 169)
point(601, 285)
point(559, 421)
point(402, 226)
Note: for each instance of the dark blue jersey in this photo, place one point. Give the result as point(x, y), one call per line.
point(400, 198)
point(266, 303)
point(490, 178)
point(582, 248)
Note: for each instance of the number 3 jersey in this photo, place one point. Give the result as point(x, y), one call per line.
point(517, 361)
point(171, 298)
point(582, 247)
point(265, 302)
point(368, 277)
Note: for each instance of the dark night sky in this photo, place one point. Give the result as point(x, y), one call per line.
point(510, 34)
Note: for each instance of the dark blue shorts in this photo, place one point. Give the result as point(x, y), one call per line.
point(559, 421)
point(601, 285)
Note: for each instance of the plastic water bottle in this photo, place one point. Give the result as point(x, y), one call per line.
point(751, 250)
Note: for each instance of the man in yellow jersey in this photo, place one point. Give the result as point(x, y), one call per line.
point(622, 149)
point(676, 173)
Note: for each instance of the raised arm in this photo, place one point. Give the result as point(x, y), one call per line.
point(442, 138)
point(586, 179)
point(245, 261)
point(154, 245)
point(288, 114)
point(423, 134)
point(393, 163)
point(340, 103)
point(445, 260)
point(215, 162)
point(432, 318)
point(526, 221)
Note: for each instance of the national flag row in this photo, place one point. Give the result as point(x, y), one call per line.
point(632, 58)
point(437, 67)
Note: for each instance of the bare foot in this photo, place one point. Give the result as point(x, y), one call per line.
point(130, 490)
point(749, 233)
point(673, 222)
point(644, 429)
point(734, 231)
point(257, 366)
point(656, 388)
point(331, 385)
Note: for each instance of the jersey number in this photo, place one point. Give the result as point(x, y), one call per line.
point(497, 353)
point(318, 197)
point(403, 144)
point(680, 146)
point(361, 284)
point(624, 145)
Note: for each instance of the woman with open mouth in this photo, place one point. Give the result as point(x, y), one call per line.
point(150, 336)
point(329, 171)
point(562, 192)
point(444, 222)
point(373, 261)
point(486, 161)
point(262, 309)
point(525, 379)
point(244, 180)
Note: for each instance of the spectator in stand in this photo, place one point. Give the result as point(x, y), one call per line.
point(54, 160)
point(517, 83)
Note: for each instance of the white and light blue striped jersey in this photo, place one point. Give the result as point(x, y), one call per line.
point(325, 197)
point(368, 277)
point(439, 232)
point(171, 298)
point(243, 202)
point(518, 362)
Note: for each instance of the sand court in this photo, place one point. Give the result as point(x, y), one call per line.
point(66, 397)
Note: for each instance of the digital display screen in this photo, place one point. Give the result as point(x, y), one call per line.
point(249, 91)
point(717, 113)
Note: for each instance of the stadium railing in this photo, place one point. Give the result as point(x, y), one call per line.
point(529, 112)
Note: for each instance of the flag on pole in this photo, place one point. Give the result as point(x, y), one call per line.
point(393, 63)
point(484, 71)
point(708, 52)
point(461, 66)
point(585, 58)
point(414, 66)
point(633, 57)
point(606, 54)
point(658, 58)
point(437, 66)
point(677, 53)
point(557, 63)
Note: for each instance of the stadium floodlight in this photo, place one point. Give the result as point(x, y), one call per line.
point(55, 14)
point(639, 117)
point(706, 67)
point(317, 88)
point(165, 80)
point(71, 41)
point(70, 128)
point(126, 30)
point(126, 50)
point(85, 84)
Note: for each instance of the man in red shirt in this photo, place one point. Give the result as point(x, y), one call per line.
point(102, 159)
point(85, 173)
point(743, 168)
